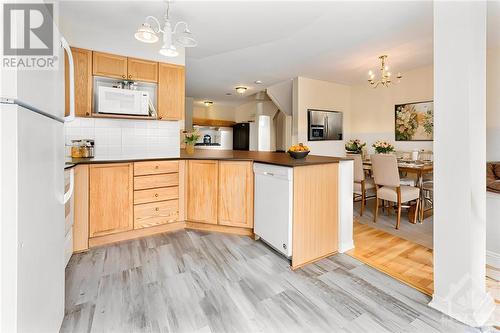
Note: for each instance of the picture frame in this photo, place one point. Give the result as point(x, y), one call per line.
point(414, 121)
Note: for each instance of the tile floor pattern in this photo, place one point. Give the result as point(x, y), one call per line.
point(191, 281)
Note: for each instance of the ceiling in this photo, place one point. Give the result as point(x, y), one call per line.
point(272, 41)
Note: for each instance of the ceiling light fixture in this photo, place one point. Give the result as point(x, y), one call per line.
point(208, 103)
point(385, 75)
point(258, 82)
point(149, 34)
point(241, 90)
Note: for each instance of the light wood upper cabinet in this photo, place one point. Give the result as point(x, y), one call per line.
point(82, 60)
point(235, 204)
point(111, 198)
point(110, 65)
point(201, 191)
point(142, 70)
point(171, 92)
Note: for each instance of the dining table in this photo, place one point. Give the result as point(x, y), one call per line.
point(416, 167)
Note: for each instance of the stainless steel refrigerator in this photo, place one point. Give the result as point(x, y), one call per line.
point(324, 125)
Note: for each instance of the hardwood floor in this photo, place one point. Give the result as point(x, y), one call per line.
point(406, 261)
point(192, 281)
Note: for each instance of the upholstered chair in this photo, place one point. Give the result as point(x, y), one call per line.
point(364, 187)
point(388, 186)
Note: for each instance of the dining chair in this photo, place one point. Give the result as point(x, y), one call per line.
point(363, 188)
point(388, 186)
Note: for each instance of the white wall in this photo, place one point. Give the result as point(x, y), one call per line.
point(219, 112)
point(118, 137)
point(373, 109)
point(315, 94)
point(248, 111)
point(493, 105)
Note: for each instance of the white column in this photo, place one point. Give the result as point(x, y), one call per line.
point(345, 206)
point(460, 160)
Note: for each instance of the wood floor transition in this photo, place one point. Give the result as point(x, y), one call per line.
point(404, 260)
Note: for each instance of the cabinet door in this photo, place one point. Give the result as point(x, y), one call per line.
point(110, 65)
point(171, 92)
point(142, 70)
point(235, 194)
point(82, 60)
point(111, 198)
point(202, 191)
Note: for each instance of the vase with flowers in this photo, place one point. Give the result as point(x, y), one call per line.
point(354, 146)
point(383, 147)
point(190, 138)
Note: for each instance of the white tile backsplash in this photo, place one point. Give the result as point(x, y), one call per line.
point(117, 137)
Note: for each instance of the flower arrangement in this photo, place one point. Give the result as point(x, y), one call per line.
point(383, 147)
point(190, 138)
point(354, 146)
point(406, 122)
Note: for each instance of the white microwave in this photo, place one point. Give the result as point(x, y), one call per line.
point(123, 101)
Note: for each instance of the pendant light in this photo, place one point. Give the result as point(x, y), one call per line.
point(147, 33)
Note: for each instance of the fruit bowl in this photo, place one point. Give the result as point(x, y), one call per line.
point(298, 154)
point(298, 151)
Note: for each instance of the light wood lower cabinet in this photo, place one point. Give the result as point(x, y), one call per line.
point(155, 213)
point(156, 194)
point(235, 204)
point(110, 198)
point(201, 191)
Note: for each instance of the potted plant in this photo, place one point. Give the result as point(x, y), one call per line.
point(383, 147)
point(190, 138)
point(354, 146)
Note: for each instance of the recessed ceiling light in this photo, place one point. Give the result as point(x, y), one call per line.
point(208, 103)
point(258, 82)
point(241, 90)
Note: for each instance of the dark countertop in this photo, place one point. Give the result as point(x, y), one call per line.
point(275, 158)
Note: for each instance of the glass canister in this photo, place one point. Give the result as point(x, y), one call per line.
point(76, 148)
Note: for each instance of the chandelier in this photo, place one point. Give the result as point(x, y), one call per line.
point(171, 37)
point(385, 75)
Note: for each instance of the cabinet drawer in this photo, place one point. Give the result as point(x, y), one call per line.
point(155, 181)
point(157, 194)
point(155, 167)
point(151, 214)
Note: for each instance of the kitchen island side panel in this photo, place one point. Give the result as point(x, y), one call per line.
point(315, 213)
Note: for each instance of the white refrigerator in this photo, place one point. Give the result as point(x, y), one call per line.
point(32, 197)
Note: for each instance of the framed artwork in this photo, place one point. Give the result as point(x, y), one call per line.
point(414, 121)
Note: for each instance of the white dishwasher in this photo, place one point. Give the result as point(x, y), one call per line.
point(273, 206)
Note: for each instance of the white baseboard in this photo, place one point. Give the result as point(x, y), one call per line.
point(344, 247)
point(475, 315)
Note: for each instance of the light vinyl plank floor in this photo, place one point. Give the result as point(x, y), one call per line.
point(191, 281)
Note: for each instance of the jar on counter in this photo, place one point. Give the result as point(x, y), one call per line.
point(76, 148)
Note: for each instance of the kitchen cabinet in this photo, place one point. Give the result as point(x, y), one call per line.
point(201, 191)
point(110, 198)
point(142, 70)
point(235, 199)
point(110, 65)
point(171, 92)
point(155, 213)
point(82, 60)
